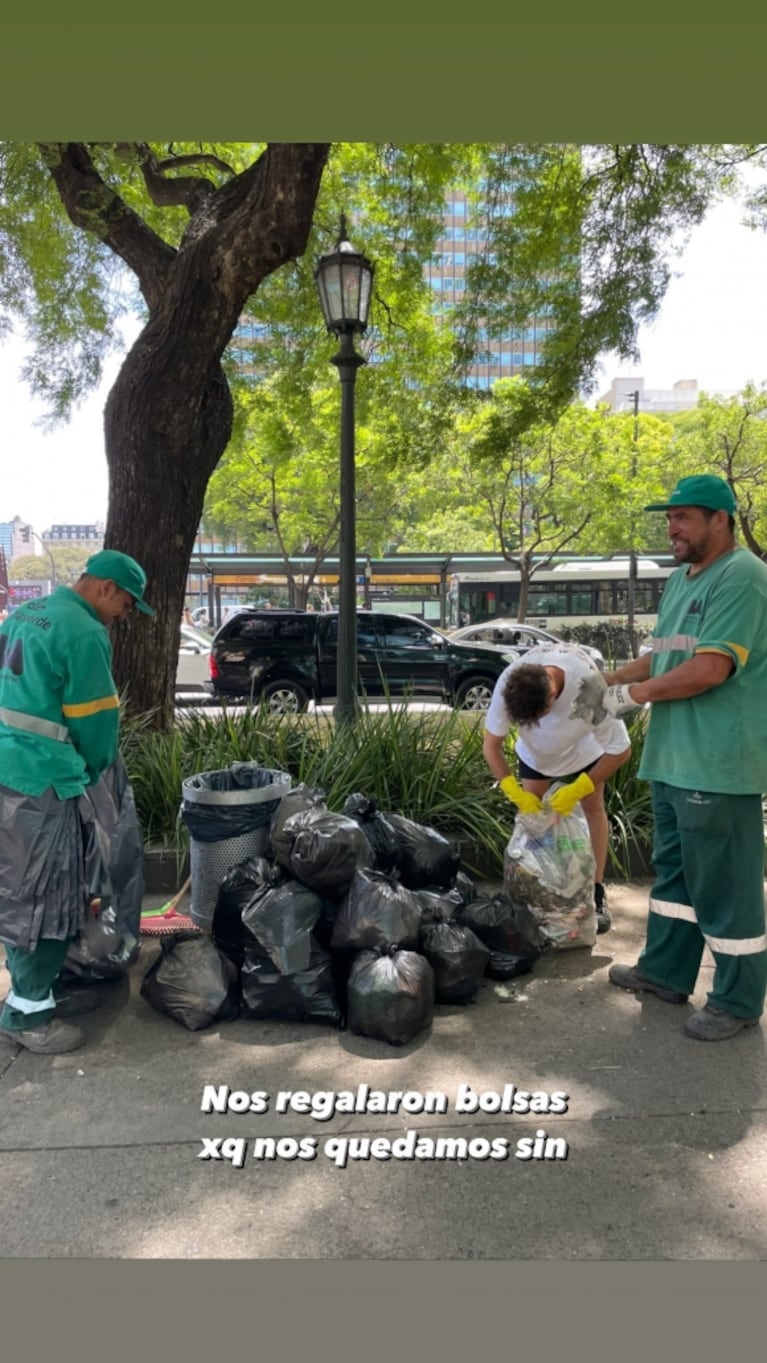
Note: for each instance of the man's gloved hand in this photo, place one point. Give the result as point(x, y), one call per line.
point(618, 701)
point(564, 800)
point(526, 802)
point(594, 700)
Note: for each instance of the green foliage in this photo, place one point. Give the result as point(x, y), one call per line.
point(611, 637)
point(628, 804)
point(728, 437)
point(426, 766)
point(68, 561)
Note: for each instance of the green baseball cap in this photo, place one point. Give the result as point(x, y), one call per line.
point(125, 571)
point(701, 489)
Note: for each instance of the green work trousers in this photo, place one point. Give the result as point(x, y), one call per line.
point(30, 1003)
point(708, 857)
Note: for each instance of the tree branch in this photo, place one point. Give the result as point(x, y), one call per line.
point(92, 205)
point(188, 191)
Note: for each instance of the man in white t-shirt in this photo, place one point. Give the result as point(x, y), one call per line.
point(536, 694)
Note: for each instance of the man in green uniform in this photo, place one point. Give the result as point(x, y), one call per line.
point(59, 721)
point(706, 757)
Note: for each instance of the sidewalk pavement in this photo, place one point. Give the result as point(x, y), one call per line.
point(666, 1137)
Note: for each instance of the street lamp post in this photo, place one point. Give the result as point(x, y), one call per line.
point(46, 550)
point(344, 279)
point(632, 582)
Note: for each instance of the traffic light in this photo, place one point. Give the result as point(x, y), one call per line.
point(25, 533)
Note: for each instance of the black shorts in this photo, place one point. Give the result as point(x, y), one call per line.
point(530, 774)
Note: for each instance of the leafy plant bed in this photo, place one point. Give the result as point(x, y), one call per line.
point(427, 766)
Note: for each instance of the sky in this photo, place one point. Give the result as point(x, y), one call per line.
point(710, 328)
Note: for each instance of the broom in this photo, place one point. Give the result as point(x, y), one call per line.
point(161, 922)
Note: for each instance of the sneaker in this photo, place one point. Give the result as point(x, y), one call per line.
point(713, 1024)
point(604, 921)
point(628, 977)
point(55, 1038)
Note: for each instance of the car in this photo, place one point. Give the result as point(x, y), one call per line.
point(193, 669)
point(287, 658)
point(505, 634)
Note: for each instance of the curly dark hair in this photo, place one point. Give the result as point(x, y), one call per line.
point(527, 693)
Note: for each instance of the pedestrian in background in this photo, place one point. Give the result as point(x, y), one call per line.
point(705, 756)
point(59, 722)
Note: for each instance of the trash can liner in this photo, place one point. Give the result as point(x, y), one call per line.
point(326, 850)
point(458, 958)
point(377, 912)
point(295, 801)
point(377, 829)
point(281, 918)
point(113, 849)
point(193, 982)
point(304, 996)
point(424, 857)
point(390, 996)
point(228, 814)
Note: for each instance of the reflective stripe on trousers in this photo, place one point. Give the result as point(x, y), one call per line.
point(728, 946)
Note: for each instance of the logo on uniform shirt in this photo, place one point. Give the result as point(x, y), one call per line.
point(696, 608)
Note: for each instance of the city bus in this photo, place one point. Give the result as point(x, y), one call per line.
point(585, 592)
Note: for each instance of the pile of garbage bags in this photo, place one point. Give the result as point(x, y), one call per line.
point(358, 919)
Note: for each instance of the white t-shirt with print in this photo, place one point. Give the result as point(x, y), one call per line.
point(558, 744)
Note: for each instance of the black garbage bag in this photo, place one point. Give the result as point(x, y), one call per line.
point(390, 996)
point(241, 885)
point(435, 903)
point(193, 982)
point(464, 886)
point(458, 958)
point(301, 996)
point(326, 850)
point(108, 941)
point(509, 930)
point(376, 912)
point(296, 801)
point(424, 857)
point(377, 829)
point(281, 919)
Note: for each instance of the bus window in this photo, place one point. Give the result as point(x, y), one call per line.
point(605, 604)
point(581, 599)
point(547, 599)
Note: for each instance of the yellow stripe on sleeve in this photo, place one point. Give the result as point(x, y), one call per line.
point(91, 707)
point(742, 654)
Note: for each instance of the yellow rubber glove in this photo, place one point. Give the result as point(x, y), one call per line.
point(526, 802)
point(564, 800)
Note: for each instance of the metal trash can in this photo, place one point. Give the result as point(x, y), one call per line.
point(228, 814)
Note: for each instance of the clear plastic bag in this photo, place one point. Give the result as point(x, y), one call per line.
point(549, 866)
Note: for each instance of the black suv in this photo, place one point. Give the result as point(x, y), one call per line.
point(289, 657)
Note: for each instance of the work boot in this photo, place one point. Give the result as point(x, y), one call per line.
point(71, 1003)
point(604, 921)
point(55, 1038)
point(628, 977)
point(713, 1024)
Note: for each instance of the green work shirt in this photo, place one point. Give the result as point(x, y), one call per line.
point(716, 741)
point(56, 666)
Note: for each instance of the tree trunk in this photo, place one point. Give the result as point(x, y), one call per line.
point(164, 438)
